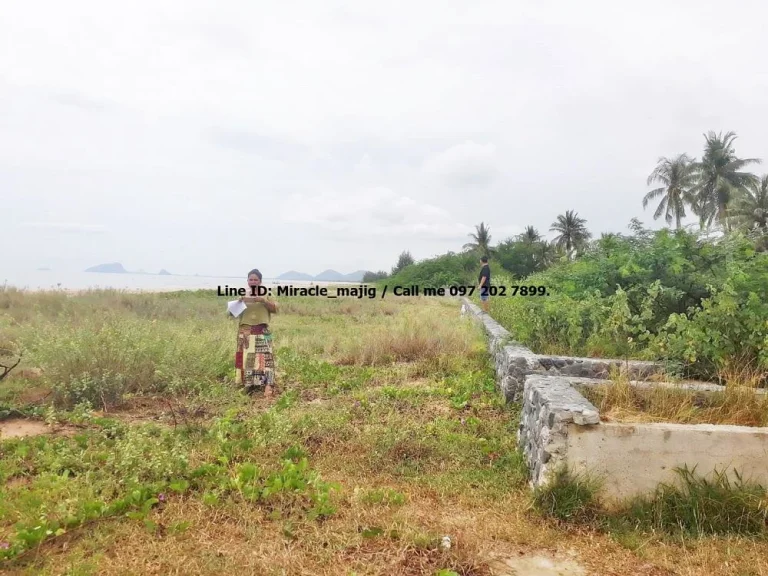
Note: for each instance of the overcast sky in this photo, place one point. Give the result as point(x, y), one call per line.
point(212, 137)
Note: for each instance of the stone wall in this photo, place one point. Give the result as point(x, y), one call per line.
point(550, 404)
point(514, 361)
point(558, 426)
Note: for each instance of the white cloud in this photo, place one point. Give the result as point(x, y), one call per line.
point(364, 166)
point(374, 212)
point(66, 227)
point(467, 164)
point(186, 135)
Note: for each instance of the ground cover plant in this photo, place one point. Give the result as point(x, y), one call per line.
point(388, 435)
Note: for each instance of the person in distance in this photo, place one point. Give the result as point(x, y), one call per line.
point(484, 281)
point(254, 358)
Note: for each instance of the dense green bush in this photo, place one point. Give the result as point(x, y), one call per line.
point(521, 258)
point(701, 305)
point(370, 277)
point(684, 264)
point(446, 270)
point(728, 333)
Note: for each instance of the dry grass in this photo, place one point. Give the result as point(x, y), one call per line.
point(360, 539)
point(740, 373)
point(431, 331)
point(738, 404)
point(420, 336)
point(395, 403)
point(333, 308)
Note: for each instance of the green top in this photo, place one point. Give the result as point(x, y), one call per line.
point(255, 313)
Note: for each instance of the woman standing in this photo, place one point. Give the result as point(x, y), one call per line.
point(254, 360)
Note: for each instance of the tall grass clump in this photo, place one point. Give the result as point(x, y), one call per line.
point(422, 335)
point(568, 497)
point(699, 506)
point(99, 359)
point(738, 404)
point(695, 506)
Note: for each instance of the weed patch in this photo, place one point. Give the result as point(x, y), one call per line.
point(737, 404)
point(568, 497)
point(698, 506)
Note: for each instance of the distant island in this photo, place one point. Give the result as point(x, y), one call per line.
point(117, 268)
point(325, 276)
point(114, 268)
point(293, 275)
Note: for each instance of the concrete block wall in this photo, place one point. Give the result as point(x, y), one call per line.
point(632, 459)
point(514, 362)
point(550, 404)
point(558, 426)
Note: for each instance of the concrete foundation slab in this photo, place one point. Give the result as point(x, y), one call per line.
point(633, 459)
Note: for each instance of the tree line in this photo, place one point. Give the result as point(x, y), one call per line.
point(717, 189)
point(522, 255)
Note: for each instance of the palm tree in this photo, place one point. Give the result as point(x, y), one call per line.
point(482, 240)
point(677, 178)
point(751, 208)
point(530, 236)
point(573, 232)
point(547, 255)
point(721, 178)
point(697, 207)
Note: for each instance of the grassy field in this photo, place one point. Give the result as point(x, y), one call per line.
point(387, 435)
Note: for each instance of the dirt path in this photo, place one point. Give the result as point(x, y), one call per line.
point(26, 428)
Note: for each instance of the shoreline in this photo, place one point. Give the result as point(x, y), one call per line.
point(162, 289)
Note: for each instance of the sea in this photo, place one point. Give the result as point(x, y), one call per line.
point(37, 280)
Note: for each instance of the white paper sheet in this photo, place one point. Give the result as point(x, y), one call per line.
point(236, 307)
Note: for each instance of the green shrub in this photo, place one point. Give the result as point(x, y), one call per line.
point(699, 506)
point(699, 305)
point(729, 329)
point(446, 270)
point(103, 390)
point(100, 359)
point(568, 497)
point(146, 454)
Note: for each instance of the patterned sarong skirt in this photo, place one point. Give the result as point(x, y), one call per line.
point(254, 361)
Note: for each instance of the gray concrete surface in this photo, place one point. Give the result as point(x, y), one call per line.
point(633, 459)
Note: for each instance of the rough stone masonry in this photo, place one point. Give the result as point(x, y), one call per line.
point(549, 402)
point(558, 426)
point(514, 361)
